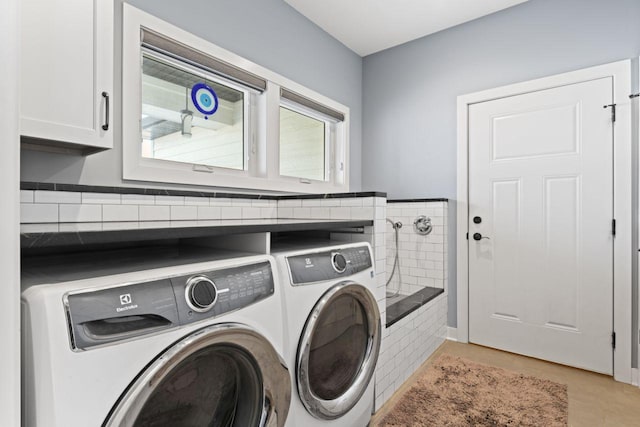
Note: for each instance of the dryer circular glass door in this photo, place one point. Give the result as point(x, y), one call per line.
point(338, 350)
point(224, 375)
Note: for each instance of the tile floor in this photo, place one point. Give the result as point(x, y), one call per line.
point(594, 399)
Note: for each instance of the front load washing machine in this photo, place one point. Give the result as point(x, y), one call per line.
point(333, 336)
point(191, 344)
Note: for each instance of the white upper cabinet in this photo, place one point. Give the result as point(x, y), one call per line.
point(67, 73)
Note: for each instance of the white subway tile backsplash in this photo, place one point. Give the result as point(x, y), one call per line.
point(209, 212)
point(124, 225)
point(251, 213)
point(196, 201)
point(435, 256)
point(362, 213)
point(341, 213)
point(219, 201)
point(321, 213)
point(310, 203)
point(80, 213)
point(262, 203)
point(421, 257)
point(437, 220)
point(436, 274)
point(154, 208)
point(119, 213)
point(26, 196)
point(44, 196)
point(155, 213)
point(330, 203)
point(302, 213)
point(270, 212)
point(285, 212)
point(138, 199)
point(231, 213)
point(438, 230)
point(184, 213)
point(437, 238)
point(101, 198)
point(368, 202)
point(38, 212)
point(73, 227)
point(411, 212)
point(290, 203)
point(352, 202)
point(170, 200)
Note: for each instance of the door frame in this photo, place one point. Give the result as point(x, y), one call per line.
point(10, 216)
point(620, 71)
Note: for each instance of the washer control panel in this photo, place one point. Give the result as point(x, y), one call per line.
point(328, 265)
point(216, 292)
point(116, 313)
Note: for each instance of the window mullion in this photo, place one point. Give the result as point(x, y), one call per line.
point(272, 131)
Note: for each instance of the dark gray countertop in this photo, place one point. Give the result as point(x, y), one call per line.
point(66, 234)
point(193, 193)
point(406, 306)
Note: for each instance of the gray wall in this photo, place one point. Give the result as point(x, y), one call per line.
point(267, 32)
point(409, 122)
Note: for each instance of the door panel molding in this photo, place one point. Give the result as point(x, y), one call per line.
point(622, 158)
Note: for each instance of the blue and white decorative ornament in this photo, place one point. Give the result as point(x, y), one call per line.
point(204, 99)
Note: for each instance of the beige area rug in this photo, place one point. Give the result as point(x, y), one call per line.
point(458, 392)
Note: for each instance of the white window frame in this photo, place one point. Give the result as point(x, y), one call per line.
point(262, 112)
point(248, 126)
point(329, 140)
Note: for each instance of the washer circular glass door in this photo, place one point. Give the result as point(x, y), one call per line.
point(224, 375)
point(338, 350)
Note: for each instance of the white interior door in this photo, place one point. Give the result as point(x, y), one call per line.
point(541, 198)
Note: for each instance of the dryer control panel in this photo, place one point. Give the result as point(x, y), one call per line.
point(120, 312)
point(328, 265)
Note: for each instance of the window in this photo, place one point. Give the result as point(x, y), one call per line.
point(191, 117)
point(205, 116)
point(303, 145)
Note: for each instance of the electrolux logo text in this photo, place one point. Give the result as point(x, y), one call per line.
point(124, 300)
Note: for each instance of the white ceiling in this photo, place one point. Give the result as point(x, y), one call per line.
point(369, 26)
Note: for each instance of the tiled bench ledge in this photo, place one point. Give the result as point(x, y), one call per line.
point(407, 344)
point(407, 305)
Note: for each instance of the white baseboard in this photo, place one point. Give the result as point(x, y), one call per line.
point(635, 374)
point(452, 333)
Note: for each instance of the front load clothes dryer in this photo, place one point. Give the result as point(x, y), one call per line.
point(196, 344)
point(333, 335)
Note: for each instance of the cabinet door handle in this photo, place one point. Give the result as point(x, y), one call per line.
point(105, 126)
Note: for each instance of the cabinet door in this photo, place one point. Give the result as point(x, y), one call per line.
point(67, 71)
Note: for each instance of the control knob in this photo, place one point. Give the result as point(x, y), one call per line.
point(201, 293)
point(339, 262)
